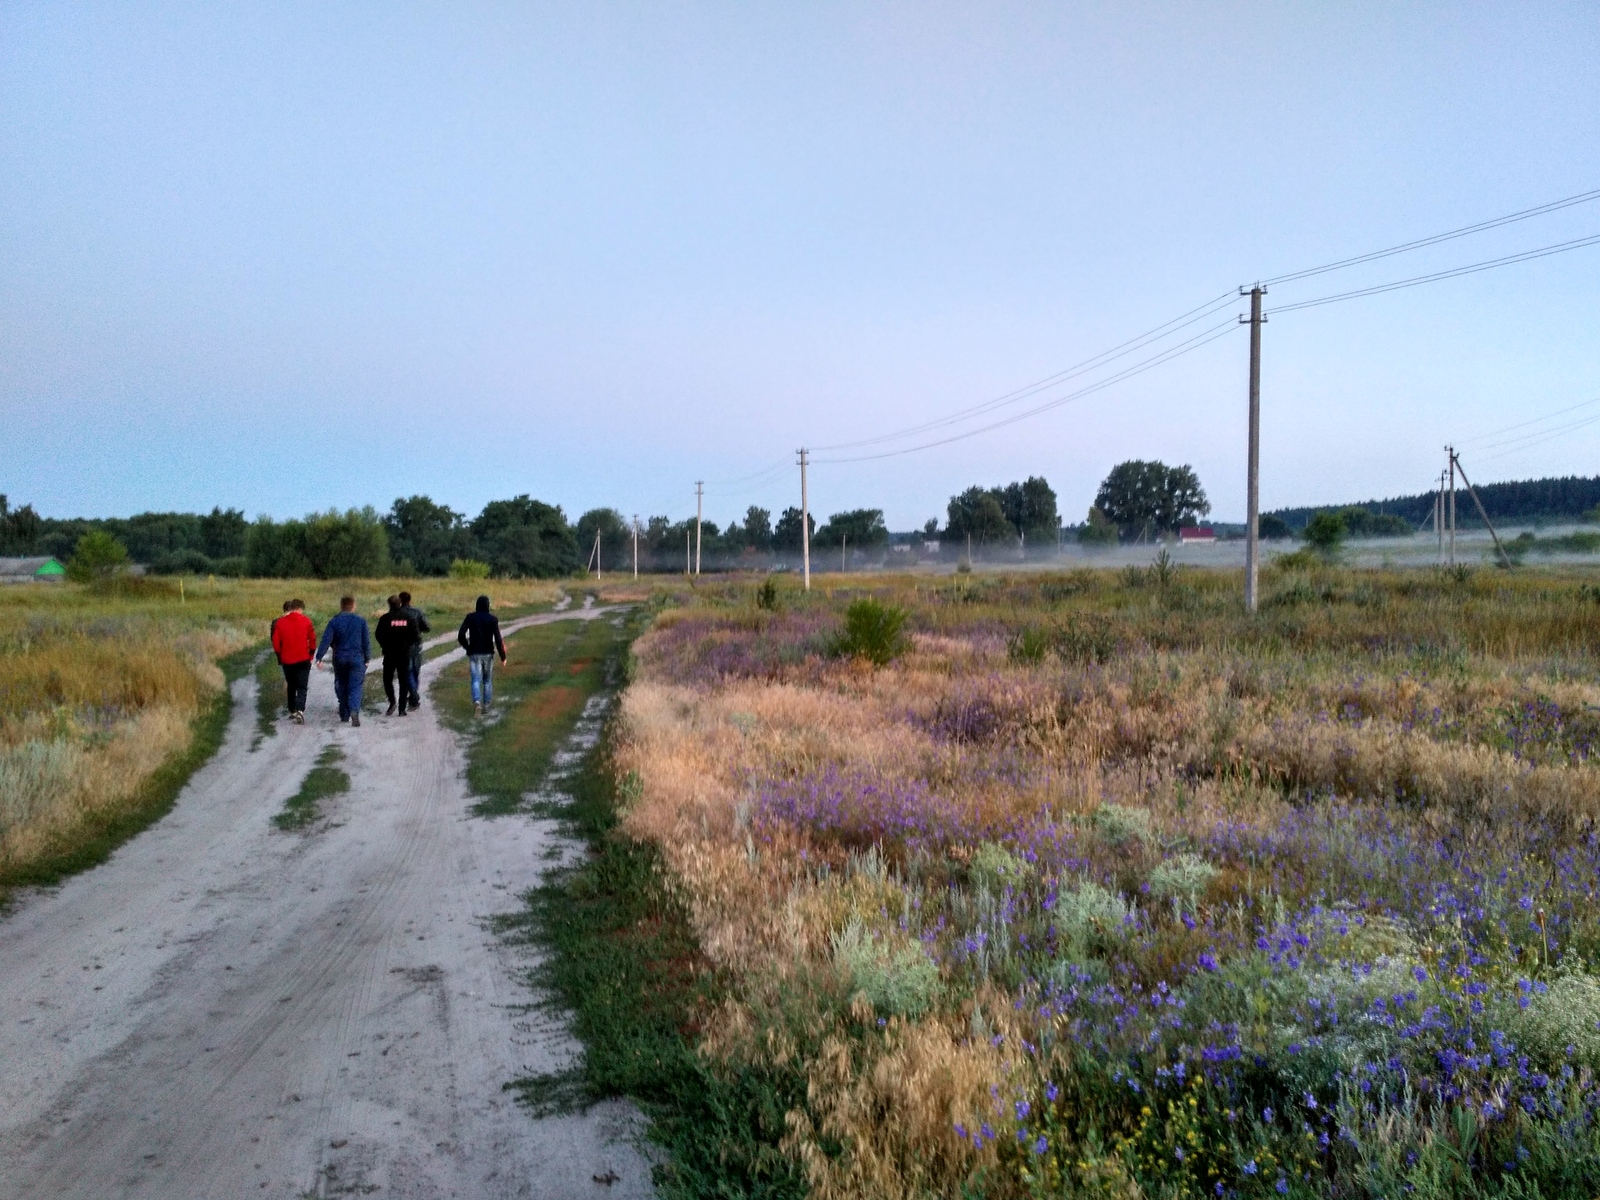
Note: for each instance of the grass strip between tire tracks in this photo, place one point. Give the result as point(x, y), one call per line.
point(620, 958)
point(324, 779)
point(100, 834)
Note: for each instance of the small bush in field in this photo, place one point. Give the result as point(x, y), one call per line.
point(1561, 1022)
point(1088, 914)
point(996, 868)
point(469, 568)
point(873, 631)
point(1030, 645)
point(1185, 877)
point(1119, 825)
point(901, 980)
point(767, 594)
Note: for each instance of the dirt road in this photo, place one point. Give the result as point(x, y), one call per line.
point(225, 1010)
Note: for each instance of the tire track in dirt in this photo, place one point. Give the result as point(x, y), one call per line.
point(225, 1010)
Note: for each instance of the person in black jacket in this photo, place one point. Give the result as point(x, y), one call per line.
point(421, 621)
point(479, 636)
point(396, 634)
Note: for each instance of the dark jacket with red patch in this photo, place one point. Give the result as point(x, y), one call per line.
point(396, 634)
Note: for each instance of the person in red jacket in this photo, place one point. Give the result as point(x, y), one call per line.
point(294, 640)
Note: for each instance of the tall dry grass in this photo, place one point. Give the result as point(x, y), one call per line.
point(1380, 741)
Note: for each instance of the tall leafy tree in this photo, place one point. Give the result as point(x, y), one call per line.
point(1030, 506)
point(1151, 498)
point(786, 533)
point(863, 527)
point(526, 537)
point(222, 533)
point(427, 535)
point(616, 536)
point(758, 528)
point(347, 545)
point(977, 513)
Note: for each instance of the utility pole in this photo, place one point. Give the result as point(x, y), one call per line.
point(805, 523)
point(1450, 450)
point(1252, 546)
point(686, 570)
point(1439, 516)
point(844, 551)
point(699, 495)
point(597, 556)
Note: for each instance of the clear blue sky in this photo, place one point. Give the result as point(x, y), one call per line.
point(287, 257)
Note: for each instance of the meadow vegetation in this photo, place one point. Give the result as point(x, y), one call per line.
point(111, 694)
point(1091, 884)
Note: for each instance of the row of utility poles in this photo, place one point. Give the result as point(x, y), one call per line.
point(1444, 509)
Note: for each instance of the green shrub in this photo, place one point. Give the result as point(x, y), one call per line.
point(98, 558)
point(767, 594)
point(1185, 877)
point(901, 980)
point(468, 568)
point(995, 868)
point(1568, 1014)
point(1119, 825)
point(1030, 645)
point(873, 631)
point(1087, 916)
point(1326, 532)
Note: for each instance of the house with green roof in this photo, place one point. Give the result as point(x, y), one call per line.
point(31, 570)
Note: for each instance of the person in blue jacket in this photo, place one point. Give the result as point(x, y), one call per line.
point(351, 643)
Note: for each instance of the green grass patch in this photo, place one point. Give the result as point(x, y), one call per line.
point(620, 957)
point(271, 698)
point(538, 698)
point(324, 779)
point(94, 841)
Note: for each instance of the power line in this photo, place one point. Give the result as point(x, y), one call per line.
point(1165, 329)
point(1454, 272)
point(1495, 223)
point(1535, 421)
point(1529, 440)
point(1182, 348)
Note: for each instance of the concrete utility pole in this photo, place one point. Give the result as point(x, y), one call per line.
point(699, 495)
point(1439, 516)
point(1450, 450)
point(686, 560)
point(597, 556)
point(1252, 541)
point(844, 549)
point(636, 545)
point(805, 523)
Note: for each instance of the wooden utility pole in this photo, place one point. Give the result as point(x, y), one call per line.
point(844, 551)
point(805, 523)
point(687, 563)
point(699, 496)
point(1438, 515)
point(1252, 540)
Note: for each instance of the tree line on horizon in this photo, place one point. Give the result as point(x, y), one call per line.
point(525, 537)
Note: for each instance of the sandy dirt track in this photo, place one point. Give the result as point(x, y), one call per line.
point(226, 1010)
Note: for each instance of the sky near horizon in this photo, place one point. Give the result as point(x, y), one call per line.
point(291, 257)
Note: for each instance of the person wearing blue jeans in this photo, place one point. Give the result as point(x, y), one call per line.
point(351, 642)
point(479, 636)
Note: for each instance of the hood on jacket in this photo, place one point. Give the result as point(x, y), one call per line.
point(483, 604)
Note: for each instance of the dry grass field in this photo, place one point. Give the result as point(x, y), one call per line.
point(1090, 884)
point(103, 695)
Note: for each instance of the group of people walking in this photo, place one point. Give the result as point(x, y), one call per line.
point(347, 642)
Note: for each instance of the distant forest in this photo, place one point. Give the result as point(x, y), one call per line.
point(1529, 500)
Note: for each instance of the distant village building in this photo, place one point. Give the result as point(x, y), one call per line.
point(31, 570)
point(931, 546)
point(1197, 535)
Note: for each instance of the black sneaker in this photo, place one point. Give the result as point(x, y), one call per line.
point(390, 713)
point(355, 719)
point(344, 720)
point(402, 712)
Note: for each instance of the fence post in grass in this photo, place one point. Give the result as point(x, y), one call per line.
point(636, 546)
point(699, 495)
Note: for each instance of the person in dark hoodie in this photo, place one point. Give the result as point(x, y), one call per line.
point(397, 635)
point(347, 636)
point(479, 636)
point(421, 619)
